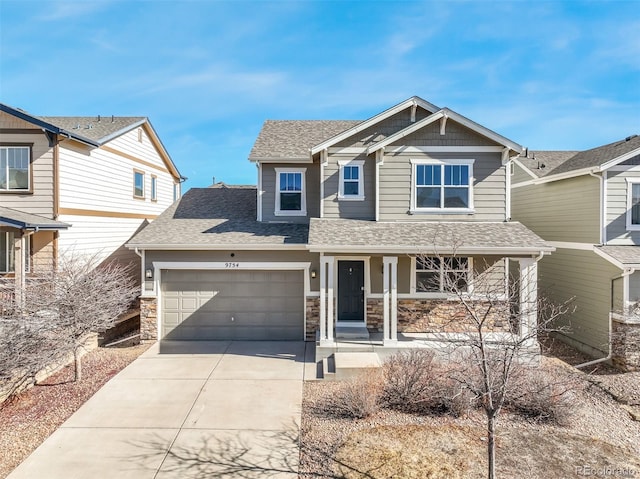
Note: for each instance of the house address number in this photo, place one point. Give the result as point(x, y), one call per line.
point(232, 265)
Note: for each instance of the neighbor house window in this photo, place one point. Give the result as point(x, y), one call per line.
point(14, 168)
point(439, 186)
point(290, 192)
point(351, 180)
point(154, 188)
point(441, 274)
point(8, 253)
point(138, 184)
point(633, 204)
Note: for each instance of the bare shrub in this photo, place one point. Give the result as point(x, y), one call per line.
point(454, 398)
point(544, 394)
point(356, 398)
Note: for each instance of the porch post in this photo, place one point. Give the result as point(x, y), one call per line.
point(528, 295)
point(18, 264)
point(390, 298)
point(326, 299)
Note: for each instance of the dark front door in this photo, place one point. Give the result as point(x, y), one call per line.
point(350, 290)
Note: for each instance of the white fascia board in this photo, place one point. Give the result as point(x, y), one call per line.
point(406, 131)
point(612, 260)
point(372, 121)
point(619, 159)
point(458, 118)
point(216, 247)
point(230, 265)
point(508, 251)
point(276, 159)
point(570, 245)
point(526, 170)
point(445, 149)
point(561, 176)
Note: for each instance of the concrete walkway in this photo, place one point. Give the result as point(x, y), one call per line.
point(186, 410)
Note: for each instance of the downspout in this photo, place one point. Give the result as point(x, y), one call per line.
point(625, 273)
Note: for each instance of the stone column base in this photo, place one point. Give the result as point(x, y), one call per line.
point(148, 319)
point(625, 344)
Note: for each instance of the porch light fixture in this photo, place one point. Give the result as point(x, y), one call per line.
point(148, 274)
point(313, 273)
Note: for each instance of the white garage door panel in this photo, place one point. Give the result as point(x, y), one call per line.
point(226, 304)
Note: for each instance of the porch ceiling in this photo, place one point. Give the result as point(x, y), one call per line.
point(424, 237)
point(27, 221)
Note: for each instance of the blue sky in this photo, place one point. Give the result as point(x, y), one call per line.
point(548, 75)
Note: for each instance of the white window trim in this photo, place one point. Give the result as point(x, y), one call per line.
point(360, 165)
point(413, 288)
point(414, 164)
point(630, 183)
point(144, 180)
point(18, 190)
point(154, 188)
point(303, 193)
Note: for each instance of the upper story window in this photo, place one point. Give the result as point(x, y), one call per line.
point(435, 274)
point(8, 253)
point(154, 188)
point(442, 186)
point(138, 184)
point(351, 180)
point(290, 192)
point(633, 204)
point(14, 168)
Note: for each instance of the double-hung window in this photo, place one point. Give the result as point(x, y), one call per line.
point(633, 204)
point(14, 168)
point(290, 192)
point(8, 252)
point(154, 188)
point(351, 180)
point(442, 186)
point(138, 184)
point(436, 274)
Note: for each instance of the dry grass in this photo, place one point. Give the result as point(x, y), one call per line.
point(31, 417)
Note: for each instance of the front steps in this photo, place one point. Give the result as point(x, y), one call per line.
point(352, 333)
point(343, 365)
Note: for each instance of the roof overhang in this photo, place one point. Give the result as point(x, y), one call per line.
point(279, 159)
point(429, 248)
point(29, 222)
point(216, 247)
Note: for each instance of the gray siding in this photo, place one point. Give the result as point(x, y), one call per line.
point(519, 175)
point(566, 210)
point(617, 208)
point(40, 200)
point(340, 208)
point(586, 277)
point(312, 183)
point(489, 188)
point(455, 135)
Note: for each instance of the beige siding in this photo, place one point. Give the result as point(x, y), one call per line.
point(40, 200)
point(312, 192)
point(519, 175)
point(566, 210)
point(586, 277)
point(617, 188)
point(42, 251)
point(340, 208)
point(489, 190)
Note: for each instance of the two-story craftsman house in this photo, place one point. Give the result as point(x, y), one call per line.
point(82, 185)
point(327, 243)
point(587, 205)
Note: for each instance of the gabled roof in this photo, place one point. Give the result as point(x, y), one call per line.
point(427, 237)
point(94, 131)
point(562, 164)
point(27, 221)
point(218, 218)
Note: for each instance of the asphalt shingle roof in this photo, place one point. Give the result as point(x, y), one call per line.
point(425, 236)
point(541, 163)
point(293, 138)
point(624, 254)
point(219, 216)
point(20, 219)
point(89, 126)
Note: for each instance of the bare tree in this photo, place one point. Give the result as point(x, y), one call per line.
point(492, 327)
point(56, 311)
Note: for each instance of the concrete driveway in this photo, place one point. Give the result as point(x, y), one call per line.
point(186, 410)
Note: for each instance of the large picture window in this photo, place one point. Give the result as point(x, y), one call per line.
point(441, 274)
point(14, 168)
point(290, 192)
point(442, 186)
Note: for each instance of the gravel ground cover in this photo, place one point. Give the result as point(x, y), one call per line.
point(29, 419)
point(601, 433)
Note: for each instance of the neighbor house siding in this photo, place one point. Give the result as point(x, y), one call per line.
point(312, 191)
point(39, 200)
point(585, 279)
point(341, 208)
point(617, 187)
point(489, 190)
point(565, 210)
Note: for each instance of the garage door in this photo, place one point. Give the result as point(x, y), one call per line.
point(240, 304)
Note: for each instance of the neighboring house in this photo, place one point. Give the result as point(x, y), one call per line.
point(587, 205)
point(326, 244)
point(81, 184)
